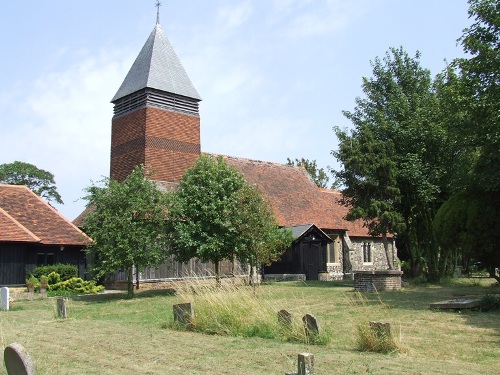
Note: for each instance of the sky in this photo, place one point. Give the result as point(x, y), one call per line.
point(274, 75)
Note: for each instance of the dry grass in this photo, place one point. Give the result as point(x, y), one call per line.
point(108, 334)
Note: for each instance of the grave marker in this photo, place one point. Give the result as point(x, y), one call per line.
point(61, 308)
point(4, 298)
point(18, 361)
point(381, 329)
point(183, 313)
point(311, 324)
point(305, 365)
point(285, 319)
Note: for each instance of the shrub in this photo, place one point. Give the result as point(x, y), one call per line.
point(76, 285)
point(490, 302)
point(65, 271)
point(54, 278)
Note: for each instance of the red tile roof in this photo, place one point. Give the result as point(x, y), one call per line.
point(295, 198)
point(25, 217)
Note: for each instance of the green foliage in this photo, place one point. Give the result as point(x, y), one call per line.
point(65, 271)
point(127, 224)
point(394, 160)
point(39, 181)
point(54, 278)
point(319, 176)
point(215, 215)
point(32, 282)
point(76, 285)
point(490, 302)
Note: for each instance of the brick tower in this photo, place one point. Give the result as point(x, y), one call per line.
point(156, 120)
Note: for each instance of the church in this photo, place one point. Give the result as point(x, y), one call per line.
point(156, 123)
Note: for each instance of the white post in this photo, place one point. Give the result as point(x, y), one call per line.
point(4, 304)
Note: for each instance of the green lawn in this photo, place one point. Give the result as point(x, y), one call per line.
point(109, 334)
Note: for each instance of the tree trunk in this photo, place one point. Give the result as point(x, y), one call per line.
point(390, 261)
point(136, 278)
point(217, 272)
point(130, 285)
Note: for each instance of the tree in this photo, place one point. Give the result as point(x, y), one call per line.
point(263, 242)
point(39, 181)
point(319, 176)
point(128, 225)
point(215, 216)
point(470, 218)
point(394, 160)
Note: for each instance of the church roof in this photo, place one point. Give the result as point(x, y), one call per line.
point(25, 217)
point(158, 67)
point(295, 198)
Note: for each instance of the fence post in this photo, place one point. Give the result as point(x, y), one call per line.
point(61, 308)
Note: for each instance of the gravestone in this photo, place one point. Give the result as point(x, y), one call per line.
point(381, 329)
point(305, 365)
point(4, 298)
point(183, 313)
point(18, 361)
point(61, 308)
point(311, 324)
point(285, 319)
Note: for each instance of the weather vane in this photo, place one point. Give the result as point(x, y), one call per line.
point(158, 4)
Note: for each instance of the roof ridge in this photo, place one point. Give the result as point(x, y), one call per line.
point(255, 161)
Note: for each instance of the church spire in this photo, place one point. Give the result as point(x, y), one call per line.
point(158, 5)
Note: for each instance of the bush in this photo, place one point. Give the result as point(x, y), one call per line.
point(490, 302)
point(65, 271)
point(54, 278)
point(76, 285)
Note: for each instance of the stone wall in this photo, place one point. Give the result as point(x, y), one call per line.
point(378, 259)
point(371, 281)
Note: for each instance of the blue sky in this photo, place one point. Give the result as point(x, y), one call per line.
point(274, 75)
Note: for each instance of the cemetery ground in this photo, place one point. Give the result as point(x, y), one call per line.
point(110, 334)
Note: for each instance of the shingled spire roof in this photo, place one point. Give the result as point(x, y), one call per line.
point(157, 67)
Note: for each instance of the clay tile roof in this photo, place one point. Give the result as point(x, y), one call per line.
point(295, 198)
point(26, 215)
point(12, 231)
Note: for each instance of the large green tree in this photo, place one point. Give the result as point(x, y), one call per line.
point(394, 159)
point(469, 221)
point(128, 224)
point(215, 216)
point(41, 182)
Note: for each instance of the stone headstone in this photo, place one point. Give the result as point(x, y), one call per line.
point(183, 313)
point(18, 361)
point(381, 329)
point(61, 308)
point(4, 298)
point(285, 318)
point(311, 324)
point(305, 364)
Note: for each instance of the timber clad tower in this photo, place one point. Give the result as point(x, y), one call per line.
point(156, 120)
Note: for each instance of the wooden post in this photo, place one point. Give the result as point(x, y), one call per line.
point(61, 308)
point(305, 365)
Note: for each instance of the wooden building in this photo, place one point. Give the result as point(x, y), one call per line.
point(33, 233)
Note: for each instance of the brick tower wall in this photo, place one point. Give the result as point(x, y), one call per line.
point(167, 141)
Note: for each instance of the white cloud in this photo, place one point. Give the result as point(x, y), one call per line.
point(234, 15)
point(66, 127)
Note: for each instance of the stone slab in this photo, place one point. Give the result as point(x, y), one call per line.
point(457, 304)
point(4, 298)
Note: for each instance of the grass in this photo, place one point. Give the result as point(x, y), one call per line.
point(109, 334)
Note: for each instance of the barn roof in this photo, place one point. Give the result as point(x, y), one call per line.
point(25, 217)
point(295, 198)
point(158, 67)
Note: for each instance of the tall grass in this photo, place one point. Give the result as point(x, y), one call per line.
point(233, 308)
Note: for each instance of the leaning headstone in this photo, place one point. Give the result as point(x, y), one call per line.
point(4, 298)
point(183, 313)
point(285, 319)
point(18, 361)
point(311, 324)
point(381, 329)
point(61, 308)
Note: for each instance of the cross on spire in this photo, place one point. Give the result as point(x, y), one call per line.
point(158, 4)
